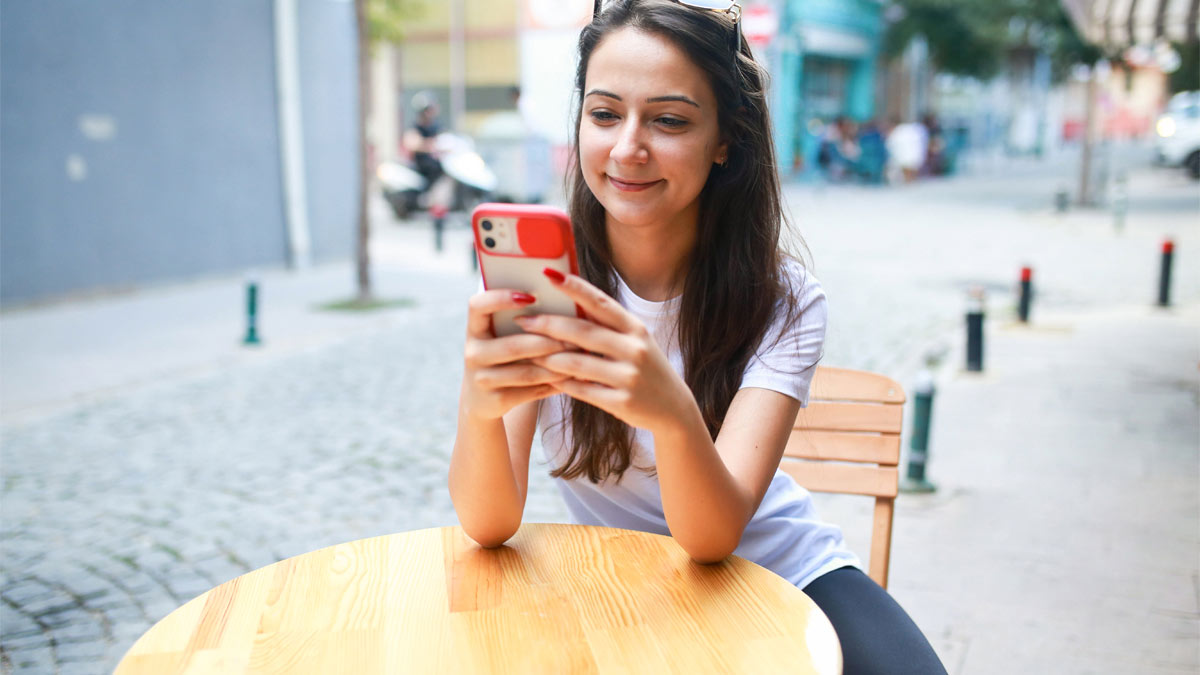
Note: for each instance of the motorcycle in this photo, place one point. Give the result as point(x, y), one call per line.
point(471, 181)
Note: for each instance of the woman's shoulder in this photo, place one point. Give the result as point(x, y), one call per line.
point(800, 283)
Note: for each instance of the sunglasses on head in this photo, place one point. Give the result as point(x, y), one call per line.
point(730, 8)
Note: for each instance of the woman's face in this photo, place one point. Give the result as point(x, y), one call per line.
point(648, 135)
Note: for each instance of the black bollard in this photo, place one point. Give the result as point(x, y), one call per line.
point(1164, 278)
point(1026, 294)
point(975, 330)
point(251, 314)
point(1061, 201)
point(918, 445)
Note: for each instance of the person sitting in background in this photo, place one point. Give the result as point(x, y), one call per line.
point(873, 153)
point(839, 151)
point(906, 147)
point(935, 153)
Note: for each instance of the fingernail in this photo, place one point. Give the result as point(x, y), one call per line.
point(523, 298)
point(554, 275)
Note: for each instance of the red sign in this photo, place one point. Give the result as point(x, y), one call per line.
point(760, 25)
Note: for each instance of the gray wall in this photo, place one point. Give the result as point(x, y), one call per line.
point(190, 183)
point(329, 91)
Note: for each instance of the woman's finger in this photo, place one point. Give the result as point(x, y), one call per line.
point(582, 366)
point(587, 335)
point(611, 401)
point(483, 305)
point(515, 396)
point(519, 375)
point(493, 351)
point(598, 306)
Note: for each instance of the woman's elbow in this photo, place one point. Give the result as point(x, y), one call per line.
point(490, 539)
point(710, 552)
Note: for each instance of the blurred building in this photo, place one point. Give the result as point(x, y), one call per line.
point(825, 66)
point(464, 52)
point(154, 141)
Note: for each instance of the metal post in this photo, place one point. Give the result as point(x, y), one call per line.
point(975, 315)
point(918, 454)
point(1061, 200)
point(1089, 140)
point(438, 212)
point(1164, 279)
point(251, 314)
point(1120, 201)
point(1026, 294)
point(458, 64)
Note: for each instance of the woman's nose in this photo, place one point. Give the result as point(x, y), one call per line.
point(630, 147)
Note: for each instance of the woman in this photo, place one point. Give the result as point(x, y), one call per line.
point(668, 409)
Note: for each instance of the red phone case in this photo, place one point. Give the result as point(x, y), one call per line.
point(523, 240)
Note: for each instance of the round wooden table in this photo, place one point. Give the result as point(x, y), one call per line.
point(554, 599)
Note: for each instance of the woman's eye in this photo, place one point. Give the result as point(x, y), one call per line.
point(602, 116)
point(672, 122)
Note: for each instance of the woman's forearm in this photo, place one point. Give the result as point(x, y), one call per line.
point(484, 490)
point(705, 509)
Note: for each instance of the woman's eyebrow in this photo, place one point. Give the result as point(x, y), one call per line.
point(601, 92)
point(657, 99)
point(678, 97)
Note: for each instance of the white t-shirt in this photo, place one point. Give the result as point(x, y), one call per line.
point(784, 535)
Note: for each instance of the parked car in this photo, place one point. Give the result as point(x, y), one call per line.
point(1178, 133)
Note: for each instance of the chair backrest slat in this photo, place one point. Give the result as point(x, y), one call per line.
point(840, 384)
point(869, 481)
point(852, 416)
point(883, 449)
point(823, 416)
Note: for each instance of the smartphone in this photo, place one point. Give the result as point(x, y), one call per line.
point(514, 243)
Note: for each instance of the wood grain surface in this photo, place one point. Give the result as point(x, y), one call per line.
point(554, 599)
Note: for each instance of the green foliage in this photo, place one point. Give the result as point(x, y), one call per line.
point(974, 37)
point(386, 18)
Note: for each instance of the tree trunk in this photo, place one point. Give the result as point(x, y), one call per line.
point(363, 258)
point(1089, 141)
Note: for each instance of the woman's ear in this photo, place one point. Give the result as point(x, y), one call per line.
point(722, 154)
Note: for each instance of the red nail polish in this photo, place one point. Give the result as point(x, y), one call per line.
point(554, 275)
point(523, 298)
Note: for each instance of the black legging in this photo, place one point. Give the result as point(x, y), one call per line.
point(876, 633)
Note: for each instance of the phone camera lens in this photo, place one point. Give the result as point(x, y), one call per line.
point(486, 225)
point(489, 242)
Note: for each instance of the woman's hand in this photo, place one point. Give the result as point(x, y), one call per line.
point(620, 370)
point(498, 373)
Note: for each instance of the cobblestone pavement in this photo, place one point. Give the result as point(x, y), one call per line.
point(119, 508)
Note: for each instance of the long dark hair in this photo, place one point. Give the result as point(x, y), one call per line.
point(734, 273)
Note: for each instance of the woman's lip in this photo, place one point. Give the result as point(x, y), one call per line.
point(627, 186)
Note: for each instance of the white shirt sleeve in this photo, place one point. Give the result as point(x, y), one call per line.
point(788, 355)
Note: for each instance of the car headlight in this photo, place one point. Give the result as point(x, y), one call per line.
point(1165, 127)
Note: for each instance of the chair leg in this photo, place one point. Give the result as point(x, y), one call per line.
point(881, 539)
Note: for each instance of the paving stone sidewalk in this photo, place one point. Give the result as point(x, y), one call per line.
point(161, 458)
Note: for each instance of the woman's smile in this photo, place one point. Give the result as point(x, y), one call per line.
point(633, 185)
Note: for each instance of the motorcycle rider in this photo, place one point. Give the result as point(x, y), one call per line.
point(421, 141)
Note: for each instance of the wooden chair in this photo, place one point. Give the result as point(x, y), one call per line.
point(848, 441)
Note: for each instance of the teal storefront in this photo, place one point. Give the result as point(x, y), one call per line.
point(826, 66)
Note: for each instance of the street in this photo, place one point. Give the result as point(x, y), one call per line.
point(147, 456)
